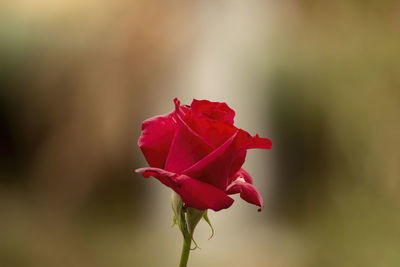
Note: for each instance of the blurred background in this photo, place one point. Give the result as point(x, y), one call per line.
point(320, 78)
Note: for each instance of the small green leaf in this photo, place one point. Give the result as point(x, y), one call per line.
point(205, 217)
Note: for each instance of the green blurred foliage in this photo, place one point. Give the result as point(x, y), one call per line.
point(336, 107)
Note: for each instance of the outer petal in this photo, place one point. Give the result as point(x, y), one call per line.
point(215, 168)
point(157, 134)
point(187, 147)
point(259, 142)
point(218, 167)
point(250, 142)
point(194, 193)
point(156, 138)
point(247, 192)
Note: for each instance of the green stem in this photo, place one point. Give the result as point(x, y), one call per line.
point(185, 252)
point(187, 240)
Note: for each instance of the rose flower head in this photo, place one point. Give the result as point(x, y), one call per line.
point(198, 152)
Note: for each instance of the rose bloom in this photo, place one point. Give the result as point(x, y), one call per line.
point(198, 152)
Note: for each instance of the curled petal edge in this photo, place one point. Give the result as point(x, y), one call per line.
point(242, 173)
point(248, 192)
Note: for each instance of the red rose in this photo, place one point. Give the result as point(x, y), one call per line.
point(198, 152)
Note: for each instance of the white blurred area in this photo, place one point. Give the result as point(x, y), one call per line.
point(226, 63)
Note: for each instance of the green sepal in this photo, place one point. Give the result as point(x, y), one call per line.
point(187, 218)
point(177, 205)
point(205, 217)
point(193, 216)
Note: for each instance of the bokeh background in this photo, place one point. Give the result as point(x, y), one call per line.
point(320, 78)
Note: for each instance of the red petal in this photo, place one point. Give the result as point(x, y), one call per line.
point(218, 167)
point(156, 138)
point(186, 150)
point(250, 143)
point(157, 134)
point(211, 120)
point(215, 168)
point(187, 147)
point(218, 111)
point(194, 193)
point(215, 132)
point(248, 192)
point(261, 143)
